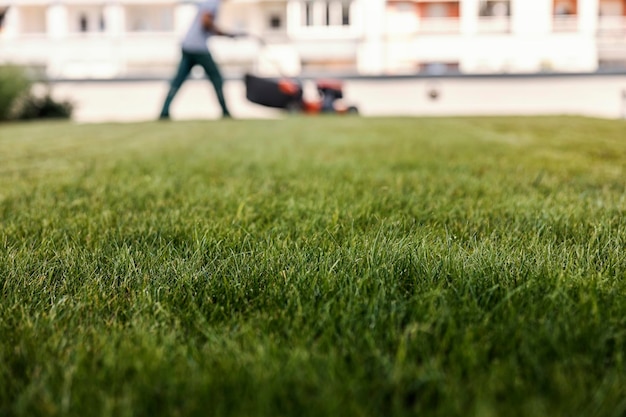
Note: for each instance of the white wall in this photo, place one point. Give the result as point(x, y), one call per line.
point(588, 96)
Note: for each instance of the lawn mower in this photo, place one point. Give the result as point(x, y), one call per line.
point(286, 93)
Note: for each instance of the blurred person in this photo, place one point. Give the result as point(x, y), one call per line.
point(195, 51)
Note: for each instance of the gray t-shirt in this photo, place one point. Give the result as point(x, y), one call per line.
point(196, 38)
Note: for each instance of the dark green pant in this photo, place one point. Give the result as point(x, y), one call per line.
point(187, 62)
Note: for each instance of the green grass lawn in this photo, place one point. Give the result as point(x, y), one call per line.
point(314, 267)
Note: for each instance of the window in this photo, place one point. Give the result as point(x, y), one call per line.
point(612, 8)
point(612, 65)
point(83, 23)
point(345, 14)
point(436, 10)
point(32, 19)
point(565, 7)
point(565, 17)
point(498, 8)
point(308, 13)
point(405, 7)
point(86, 18)
point(149, 19)
point(439, 17)
point(439, 10)
point(326, 13)
point(495, 16)
point(3, 13)
point(275, 21)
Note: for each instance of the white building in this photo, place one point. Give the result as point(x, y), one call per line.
point(140, 38)
point(487, 36)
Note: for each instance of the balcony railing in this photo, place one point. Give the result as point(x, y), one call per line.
point(439, 25)
point(494, 24)
point(567, 23)
point(612, 27)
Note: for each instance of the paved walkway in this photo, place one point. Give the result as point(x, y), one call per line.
point(596, 96)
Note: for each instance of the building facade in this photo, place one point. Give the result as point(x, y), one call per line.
point(500, 36)
point(82, 39)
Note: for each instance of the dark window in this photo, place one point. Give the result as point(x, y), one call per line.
point(3, 13)
point(565, 7)
point(275, 22)
point(83, 24)
point(345, 14)
point(498, 8)
point(308, 13)
point(327, 16)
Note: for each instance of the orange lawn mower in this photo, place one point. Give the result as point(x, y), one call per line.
point(286, 93)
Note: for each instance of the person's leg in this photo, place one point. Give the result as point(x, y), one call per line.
point(181, 75)
point(213, 72)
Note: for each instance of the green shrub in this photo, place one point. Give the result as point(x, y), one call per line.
point(18, 102)
point(13, 84)
point(32, 107)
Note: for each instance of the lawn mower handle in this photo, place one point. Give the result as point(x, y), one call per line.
point(262, 44)
point(237, 35)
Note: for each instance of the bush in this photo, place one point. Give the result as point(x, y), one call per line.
point(18, 102)
point(13, 84)
point(32, 107)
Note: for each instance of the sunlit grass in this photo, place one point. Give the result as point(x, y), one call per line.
point(314, 266)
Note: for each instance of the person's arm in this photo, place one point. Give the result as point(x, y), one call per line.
point(208, 24)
